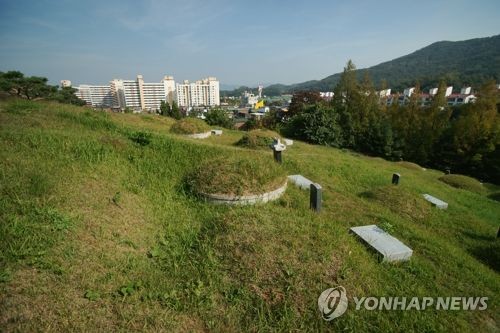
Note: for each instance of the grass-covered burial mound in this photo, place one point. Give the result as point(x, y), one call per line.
point(190, 126)
point(400, 201)
point(258, 138)
point(463, 182)
point(239, 178)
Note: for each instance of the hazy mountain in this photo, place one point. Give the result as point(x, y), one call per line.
point(469, 62)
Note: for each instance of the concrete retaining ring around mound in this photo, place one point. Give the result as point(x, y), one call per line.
point(245, 199)
point(200, 135)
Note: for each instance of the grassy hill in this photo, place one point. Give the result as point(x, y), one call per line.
point(99, 233)
point(469, 62)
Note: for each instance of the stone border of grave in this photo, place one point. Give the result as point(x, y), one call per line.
point(245, 199)
point(200, 135)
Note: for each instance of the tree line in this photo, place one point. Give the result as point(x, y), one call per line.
point(15, 83)
point(464, 139)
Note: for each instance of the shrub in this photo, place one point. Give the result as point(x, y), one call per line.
point(141, 138)
point(257, 139)
point(238, 175)
point(218, 117)
point(463, 182)
point(190, 126)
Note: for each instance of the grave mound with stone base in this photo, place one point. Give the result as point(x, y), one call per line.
point(400, 201)
point(239, 179)
point(192, 127)
point(464, 183)
point(258, 139)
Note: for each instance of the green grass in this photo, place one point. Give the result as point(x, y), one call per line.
point(463, 182)
point(99, 233)
point(190, 126)
point(257, 139)
point(237, 174)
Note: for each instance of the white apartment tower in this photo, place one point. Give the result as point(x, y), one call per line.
point(95, 96)
point(200, 93)
point(143, 96)
point(140, 95)
point(65, 83)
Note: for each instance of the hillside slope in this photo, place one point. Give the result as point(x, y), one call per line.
point(98, 232)
point(468, 62)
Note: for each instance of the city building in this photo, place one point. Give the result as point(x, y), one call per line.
point(144, 96)
point(250, 99)
point(200, 93)
point(95, 96)
point(65, 83)
point(464, 97)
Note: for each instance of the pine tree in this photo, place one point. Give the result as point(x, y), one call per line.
point(345, 101)
point(174, 111)
point(475, 132)
point(165, 109)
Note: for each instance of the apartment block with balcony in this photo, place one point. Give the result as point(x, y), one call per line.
point(94, 95)
point(200, 93)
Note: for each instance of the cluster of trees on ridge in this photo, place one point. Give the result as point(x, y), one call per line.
point(464, 138)
point(14, 83)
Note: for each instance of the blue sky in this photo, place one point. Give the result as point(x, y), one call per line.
point(239, 42)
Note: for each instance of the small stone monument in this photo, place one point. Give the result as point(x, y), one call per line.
point(277, 147)
point(395, 178)
point(315, 197)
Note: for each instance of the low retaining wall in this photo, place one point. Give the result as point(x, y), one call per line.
point(200, 135)
point(245, 199)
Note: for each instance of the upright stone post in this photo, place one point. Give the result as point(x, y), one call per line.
point(395, 178)
point(448, 171)
point(278, 148)
point(277, 155)
point(315, 197)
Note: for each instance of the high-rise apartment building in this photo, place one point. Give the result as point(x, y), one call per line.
point(200, 93)
point(144, 96)
point(95, 96)
point(65, 83)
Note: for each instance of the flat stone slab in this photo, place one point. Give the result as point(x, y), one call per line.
point(436, 202)
point(217, 132)
point(199, 135)
point(390, 247)
point(301, 181)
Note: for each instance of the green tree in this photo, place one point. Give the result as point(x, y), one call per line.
point(218, 117)
point(165, 108)
point(66, 95)
point(32, 87)
point(346, 101)
point(175, 112)
point(301, 100)
point(475, 131)
point(318, 123)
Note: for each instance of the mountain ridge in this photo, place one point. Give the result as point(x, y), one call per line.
point(467, 62)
